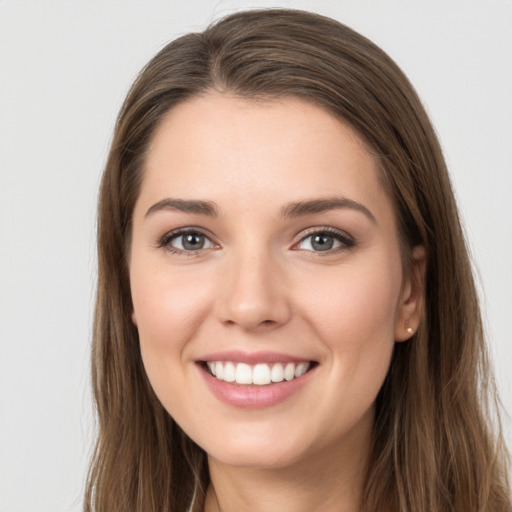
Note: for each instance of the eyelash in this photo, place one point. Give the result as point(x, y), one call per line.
point(165, 241)
point(345, 241)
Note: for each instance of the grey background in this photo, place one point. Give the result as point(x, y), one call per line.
point(65, 67)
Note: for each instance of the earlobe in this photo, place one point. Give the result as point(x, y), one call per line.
point(413, 296)
point(134, 318)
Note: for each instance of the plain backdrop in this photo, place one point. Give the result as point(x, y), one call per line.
point(65, 67)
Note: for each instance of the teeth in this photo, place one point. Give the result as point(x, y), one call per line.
point(260, 374)
point(219, 370)
point(301, 369)
point(243, 374)
point(289, 371)
point(277, 373)
point(229, 372)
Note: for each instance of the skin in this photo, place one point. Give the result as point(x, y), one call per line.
point(258, 284)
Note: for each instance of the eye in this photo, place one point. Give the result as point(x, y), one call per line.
point(186, 241)
point(325, 240)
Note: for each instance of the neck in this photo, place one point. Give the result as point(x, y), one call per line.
point(325, 481)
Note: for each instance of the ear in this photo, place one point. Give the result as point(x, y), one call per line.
point(412, 299)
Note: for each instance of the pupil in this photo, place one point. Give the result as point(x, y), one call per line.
point(322, 242)
point(193, 241)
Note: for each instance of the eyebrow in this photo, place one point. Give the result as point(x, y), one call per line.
point(300, 208)
point(291, 210)
point(198, 207)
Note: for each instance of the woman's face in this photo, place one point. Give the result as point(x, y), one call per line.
point(265, 246)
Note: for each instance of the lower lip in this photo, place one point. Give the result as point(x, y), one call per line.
point(253, 397)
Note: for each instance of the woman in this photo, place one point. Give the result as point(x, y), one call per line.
point(286, 317)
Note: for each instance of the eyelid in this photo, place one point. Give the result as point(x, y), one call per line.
point(346, 240)
point(164, 241)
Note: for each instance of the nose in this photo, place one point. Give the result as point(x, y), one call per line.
point(253, 293)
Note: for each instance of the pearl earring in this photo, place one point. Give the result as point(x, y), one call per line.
point(409, 330)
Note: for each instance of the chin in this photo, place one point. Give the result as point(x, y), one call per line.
point(255, 457)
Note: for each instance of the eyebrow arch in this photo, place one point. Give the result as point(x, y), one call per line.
point(294, 209)
point(185, 205)
point(299, 208)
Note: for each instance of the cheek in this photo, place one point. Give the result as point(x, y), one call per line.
point(356, 306)
point(354, 317)
point(168, 309)
point(166, 301)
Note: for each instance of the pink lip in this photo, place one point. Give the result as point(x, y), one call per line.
point(238, 356)
point(252, 397)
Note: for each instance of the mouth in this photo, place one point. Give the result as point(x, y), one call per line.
point(259, 374)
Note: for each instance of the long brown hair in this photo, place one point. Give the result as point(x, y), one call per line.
point(437, 445)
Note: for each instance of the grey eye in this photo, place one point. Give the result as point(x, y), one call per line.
point(192, 241)
point(319, 242)
point(327, 240)
point(322, 242)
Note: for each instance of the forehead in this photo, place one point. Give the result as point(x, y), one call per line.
point(222, 147)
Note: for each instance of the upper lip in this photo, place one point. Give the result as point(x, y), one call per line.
point(238, 356)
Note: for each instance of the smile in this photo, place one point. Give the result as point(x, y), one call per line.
point(260, 374)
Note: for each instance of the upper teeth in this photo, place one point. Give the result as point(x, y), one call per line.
point(259, 374)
